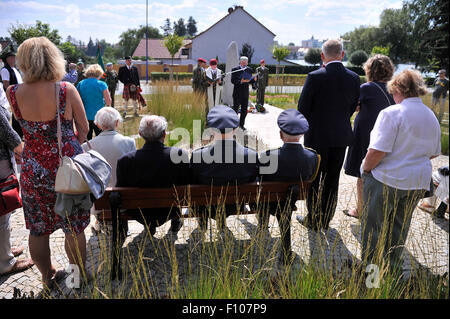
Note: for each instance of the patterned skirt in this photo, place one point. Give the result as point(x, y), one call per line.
point(126, 95)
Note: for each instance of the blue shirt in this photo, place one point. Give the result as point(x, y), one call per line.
point(91, 91)
point(71, 77)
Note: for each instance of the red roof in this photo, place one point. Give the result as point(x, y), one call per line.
point(156, 49)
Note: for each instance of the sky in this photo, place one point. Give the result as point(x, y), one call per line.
point(291, 20)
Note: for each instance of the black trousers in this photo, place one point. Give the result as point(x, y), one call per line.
point(112, 91)
point(322, 197)
point(240, 98)
point(93, 128)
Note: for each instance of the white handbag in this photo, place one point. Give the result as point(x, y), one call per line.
point(69, 179)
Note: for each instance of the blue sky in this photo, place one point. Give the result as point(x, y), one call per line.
point(290, 20)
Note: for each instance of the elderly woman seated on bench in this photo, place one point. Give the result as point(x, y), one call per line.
point(152, 167)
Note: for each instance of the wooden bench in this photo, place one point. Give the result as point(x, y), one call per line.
point(194, 196)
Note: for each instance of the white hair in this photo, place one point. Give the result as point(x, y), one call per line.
point(152, 127)
point(291, 137)
point(332, 48)
point(106, 118)
point(243, 58)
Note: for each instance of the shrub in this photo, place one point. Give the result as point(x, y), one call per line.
point(158, 76)
point(313, 56)
point(358, 57)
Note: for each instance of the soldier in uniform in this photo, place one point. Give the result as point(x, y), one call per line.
point(224, 162)
point(241, 78)
point(199, 83)
point(262, 82)
point(293, 163)
point(111, 81)
point(129, 76)
point(80, 73)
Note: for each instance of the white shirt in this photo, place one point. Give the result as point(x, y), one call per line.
point(409, 134)
point(5, 75)
point(3, 99)
point(334, 61)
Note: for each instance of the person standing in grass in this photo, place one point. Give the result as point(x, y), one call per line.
point(112, 80)
point(373, 98)
point(397, 169)
point(440, 93)
point(95, 95)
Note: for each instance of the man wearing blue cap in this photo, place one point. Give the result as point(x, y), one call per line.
point(293, 163)
point(224, 162)
point(241, 78)
point(111, 80)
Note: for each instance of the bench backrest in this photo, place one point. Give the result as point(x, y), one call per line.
point(201, 195)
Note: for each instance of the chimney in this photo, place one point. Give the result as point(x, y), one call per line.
point(230, 10)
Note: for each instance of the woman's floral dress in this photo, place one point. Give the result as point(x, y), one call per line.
point(40, 163)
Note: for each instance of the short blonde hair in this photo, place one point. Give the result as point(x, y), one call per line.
point(379, 68)
point(408, 83)
point(94, 70)
point(332, 48)
point(106, 118)
point(39, 59)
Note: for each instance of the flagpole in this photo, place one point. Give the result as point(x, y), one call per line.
point(146, 41)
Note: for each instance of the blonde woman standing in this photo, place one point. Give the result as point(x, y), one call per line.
point(34, 106)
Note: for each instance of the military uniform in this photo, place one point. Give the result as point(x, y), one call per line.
point(262, 82)
point(224, 162)
point(294, 164)
point(112, 80)
point(199, 82)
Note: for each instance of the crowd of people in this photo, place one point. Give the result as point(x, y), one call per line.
point(390, 146)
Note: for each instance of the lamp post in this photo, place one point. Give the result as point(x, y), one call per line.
point(146, 41)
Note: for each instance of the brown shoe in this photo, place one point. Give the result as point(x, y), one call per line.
point(20, 265)
point(16, 251)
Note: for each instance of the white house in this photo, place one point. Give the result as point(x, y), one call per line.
point(239, 26)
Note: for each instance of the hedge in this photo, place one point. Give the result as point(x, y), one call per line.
point(155, 76)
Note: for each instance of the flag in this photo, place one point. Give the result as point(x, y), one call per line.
point(100, 62)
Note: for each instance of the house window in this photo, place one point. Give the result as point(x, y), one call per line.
point(185, 51)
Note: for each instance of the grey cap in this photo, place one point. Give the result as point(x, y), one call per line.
point(292, 122)
point(222, 117)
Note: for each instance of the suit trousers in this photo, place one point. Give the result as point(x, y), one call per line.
point(260, 95)
point(240, 98)
point(322, 197)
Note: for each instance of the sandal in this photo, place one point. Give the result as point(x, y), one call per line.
point(426, 208)
point(59, 274)
point(347, 212)
point(16, 251)
point(19, 266)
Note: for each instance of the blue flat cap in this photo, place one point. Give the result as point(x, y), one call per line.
point(222, 117)
point(292, 122)
point(108, 64)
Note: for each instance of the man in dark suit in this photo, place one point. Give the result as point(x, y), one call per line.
point(241, 78)
point(154, 165)
point(289, 163)
point(328, 99)
point(129, 76)
point(224, 162)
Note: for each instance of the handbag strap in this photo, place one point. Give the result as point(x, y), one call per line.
point(387, 98)
point(58, 120)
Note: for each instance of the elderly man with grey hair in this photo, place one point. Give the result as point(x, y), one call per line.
point(241, 78)
point(328, 100)
point(154, 166)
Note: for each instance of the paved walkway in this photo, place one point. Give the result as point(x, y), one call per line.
point(427, 244)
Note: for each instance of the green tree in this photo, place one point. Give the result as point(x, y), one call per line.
point(380, 50)
point(166, 28)
point(247, 51)
point(313, 56)
point(71, 52)
point(279, 53)
point(361, 38)
point(191, 27)
point(358, 58)
point(130, 39)
point(173, 44)
point(179, 27)
point(21, 32)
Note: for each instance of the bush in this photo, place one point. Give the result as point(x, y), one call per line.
point(358, 57)
point(313, 56)
point(164, 76)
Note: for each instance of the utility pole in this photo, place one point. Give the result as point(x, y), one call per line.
point(146, 41)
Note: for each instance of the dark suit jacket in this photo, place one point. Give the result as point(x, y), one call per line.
point(294, 163)
point(128, 76)
point(241, 165)
point(328, 100)
point(236, 80)
point(151, 166)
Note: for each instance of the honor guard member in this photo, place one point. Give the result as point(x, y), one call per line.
point(290, 163)
point(129, 76)
point(80, 73)
point(111, 80)
point(199, 83)
point(241, 78)
point(223, 162)
point(214, 80)
point(11, 76)
point(262, 73)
